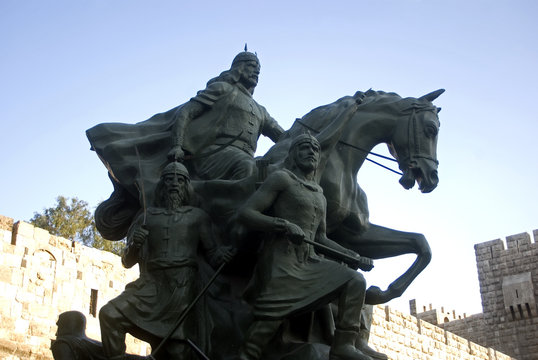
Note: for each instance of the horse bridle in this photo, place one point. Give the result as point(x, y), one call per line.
point(414, 147)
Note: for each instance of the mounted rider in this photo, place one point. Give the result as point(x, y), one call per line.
point(225, 121)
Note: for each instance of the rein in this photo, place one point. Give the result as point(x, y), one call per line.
point(358, 148)
point(413, 144)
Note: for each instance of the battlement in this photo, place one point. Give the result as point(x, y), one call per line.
point(434, 315)
point(508, 277)
point(518, 242)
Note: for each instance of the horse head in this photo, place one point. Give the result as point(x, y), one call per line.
point(414, 142)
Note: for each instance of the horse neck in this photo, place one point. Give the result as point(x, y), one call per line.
point(368, 129)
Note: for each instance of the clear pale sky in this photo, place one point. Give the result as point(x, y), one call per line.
point(66, 66)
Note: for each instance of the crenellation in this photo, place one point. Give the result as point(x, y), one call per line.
point(509, 290)
point(518, 241)
point(489, 246)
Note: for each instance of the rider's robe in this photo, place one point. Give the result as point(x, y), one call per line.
point(239, 121)
point(292, 278)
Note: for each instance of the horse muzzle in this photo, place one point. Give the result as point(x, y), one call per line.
point(423, 173)
point(428, 183)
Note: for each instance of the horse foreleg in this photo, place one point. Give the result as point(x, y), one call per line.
point(378, 243)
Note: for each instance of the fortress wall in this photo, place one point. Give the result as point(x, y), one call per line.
point(42, 275)
point(508, 277)
point(404, 337)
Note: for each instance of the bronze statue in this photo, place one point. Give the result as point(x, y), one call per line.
point(72, 343)
point(291, 277)
point(215, 135)
point(225, 122)
point(164, 240)
point(219, 128)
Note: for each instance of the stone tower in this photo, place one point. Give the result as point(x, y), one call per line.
point(509, 289)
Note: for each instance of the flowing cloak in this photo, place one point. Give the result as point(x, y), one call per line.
point(291, 278)
point(117, 145)
point(135, 154)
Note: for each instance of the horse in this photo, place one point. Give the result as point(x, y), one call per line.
point(409, 126)
point(348, 129)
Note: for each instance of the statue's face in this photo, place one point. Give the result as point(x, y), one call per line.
point(249, 73)
point(175, 183)
point(307, 156)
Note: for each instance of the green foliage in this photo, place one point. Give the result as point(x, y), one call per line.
point(72, 219)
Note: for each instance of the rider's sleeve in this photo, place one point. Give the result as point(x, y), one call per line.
point(212, 93)
point(270, 128)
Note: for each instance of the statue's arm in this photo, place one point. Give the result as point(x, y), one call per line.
point(271, 128)
point(321, 237)
point(183, 116)
point(204, 100)
point(251, 213)
point(136, 237)
point(350, 257)
point(214, 252)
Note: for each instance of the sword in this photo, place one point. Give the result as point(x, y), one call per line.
point(342, 256)
point(140, 185)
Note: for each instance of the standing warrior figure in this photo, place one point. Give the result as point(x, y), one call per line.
point(233, 122)
point(290, 277)
point(166, 248)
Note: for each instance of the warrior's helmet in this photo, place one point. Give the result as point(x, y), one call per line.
point(176, 168)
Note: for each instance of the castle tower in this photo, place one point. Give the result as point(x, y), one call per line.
point(509, 289)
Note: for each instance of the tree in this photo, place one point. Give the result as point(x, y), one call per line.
point(71, 218)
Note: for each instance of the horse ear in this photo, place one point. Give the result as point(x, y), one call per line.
point(433, 95)
point(439, 110)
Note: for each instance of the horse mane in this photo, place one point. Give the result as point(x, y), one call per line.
point(404, 105)
point(372, 97)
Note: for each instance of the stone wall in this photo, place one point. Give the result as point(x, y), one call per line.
point(508, 279)
point(435, 316)
point(404, 337)
point(509, 289)
point(41, 276)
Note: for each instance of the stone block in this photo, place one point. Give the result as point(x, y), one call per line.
point(22, 229)
point(5, 237)
point(21, 326)
point(41, 236)
point(518, 241)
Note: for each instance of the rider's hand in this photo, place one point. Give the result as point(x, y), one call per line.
point(222, 254)
point(176, 154)
point(139, 236)
point(360, 262)
point(294, 233)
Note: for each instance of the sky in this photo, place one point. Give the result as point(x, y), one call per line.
point(66, 66)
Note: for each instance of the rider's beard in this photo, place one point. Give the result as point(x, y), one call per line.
point(174, 200)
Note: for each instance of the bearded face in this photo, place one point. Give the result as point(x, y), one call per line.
point(250, 70)
point(173, 191)
point(306, 155)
